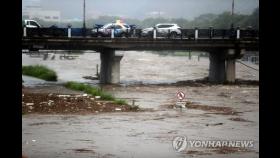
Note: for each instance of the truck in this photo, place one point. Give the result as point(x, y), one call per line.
point(33, 28)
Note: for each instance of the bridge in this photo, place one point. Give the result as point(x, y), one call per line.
point(224, 46)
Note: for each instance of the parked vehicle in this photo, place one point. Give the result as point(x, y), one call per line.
point(31, 24)
point(164, 29)
point(120, 30)
point(33, 28)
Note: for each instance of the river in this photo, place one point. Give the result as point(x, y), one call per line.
point(144, 78)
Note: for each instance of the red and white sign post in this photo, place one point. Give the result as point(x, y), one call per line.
point(180, 95)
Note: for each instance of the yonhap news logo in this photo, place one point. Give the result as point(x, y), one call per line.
point(180, 143)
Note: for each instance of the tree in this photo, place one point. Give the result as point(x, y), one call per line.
point(253, 19)
point(204, 20)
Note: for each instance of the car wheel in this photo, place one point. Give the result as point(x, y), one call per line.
point(99, 35)
point(173, 35)
point(123, 35)
point(150, 34)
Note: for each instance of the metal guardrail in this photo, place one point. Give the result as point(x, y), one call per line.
point(136, 33)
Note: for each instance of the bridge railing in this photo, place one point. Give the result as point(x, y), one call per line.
point(249, 33)
point(209, 33)
point(33, 32)
point(223, 33)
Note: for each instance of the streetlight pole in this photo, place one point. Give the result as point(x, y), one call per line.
point(232, 13)
point(84, 15)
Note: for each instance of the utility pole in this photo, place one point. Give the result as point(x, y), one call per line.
point(84, 19)
point(232, 7)
point(84, 15)
point(232, 13)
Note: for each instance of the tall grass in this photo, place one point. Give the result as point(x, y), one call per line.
point(39, 71)
point(120, 102)
point(95, 91)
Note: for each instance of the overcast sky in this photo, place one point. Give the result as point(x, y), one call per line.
point(145, 8)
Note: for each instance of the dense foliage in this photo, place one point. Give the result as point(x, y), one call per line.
point(39, 71)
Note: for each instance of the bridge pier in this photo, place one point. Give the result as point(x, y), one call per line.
point(230, 70)
point(231, 56)
point(110, 66)
point(222, 65)
point(217, 67)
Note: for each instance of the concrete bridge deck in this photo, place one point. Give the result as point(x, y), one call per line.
point(79, 43)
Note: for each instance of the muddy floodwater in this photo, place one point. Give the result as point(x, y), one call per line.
point(145, 78)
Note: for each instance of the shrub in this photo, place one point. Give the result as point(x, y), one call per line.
point(90, 90)
point(120, 102)
point(39, 71)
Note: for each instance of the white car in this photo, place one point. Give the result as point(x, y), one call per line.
point(120, 30)
point(31, 24)
point(163, 29)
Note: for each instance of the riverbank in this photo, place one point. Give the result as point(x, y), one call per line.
point(68, 103)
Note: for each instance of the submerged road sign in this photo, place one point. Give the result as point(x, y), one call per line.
point(180, 95)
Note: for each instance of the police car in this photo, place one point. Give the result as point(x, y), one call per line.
point(119, 28)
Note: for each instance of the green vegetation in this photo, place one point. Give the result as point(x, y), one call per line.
point(120, 102)
point(94, 91)
point(218, 21)
point(39, 71)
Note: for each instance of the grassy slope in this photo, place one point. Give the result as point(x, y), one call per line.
point(39, 71)
point(94, 91)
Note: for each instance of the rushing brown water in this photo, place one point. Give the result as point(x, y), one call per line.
point(144, 134)
point(137, 67)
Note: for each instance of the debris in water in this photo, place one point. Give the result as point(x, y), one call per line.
point(83, 150)
point(90, 77)
point(118, 109)
point(50, 102)
point(244, 92)
point(63, 95)
point(239, 119)
point(180, 105)
point(215, 124)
